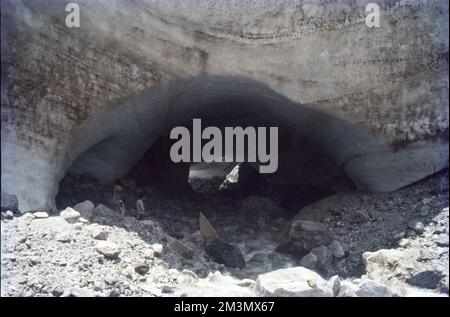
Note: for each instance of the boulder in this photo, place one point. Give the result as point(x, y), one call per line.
point(207, 230)
point(100, 233)
point(417, 226)
point(293, 282)
point(225, 253)
point(108, 249)
point(309, 261)
point(302, 236)
point(324, 258)
point(181, 248)
point(371, 288)
point(104, 211)
point(336, 249)
point(426, 279)
point(70, 215)
point(383, 265)
point(85, 208)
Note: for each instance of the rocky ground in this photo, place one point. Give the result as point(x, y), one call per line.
point(348, 244)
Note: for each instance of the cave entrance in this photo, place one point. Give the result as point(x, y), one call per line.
point(128, 147)
point(130, 143)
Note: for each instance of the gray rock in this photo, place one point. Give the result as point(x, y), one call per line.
point(180, 248)
point(309, 261)
point(85, 208)
point(335, 283)
point(303, 236)
point(108, 249)
point(358, 217)
point(336, 249)
point(246, 283)
point(70, 215)
point(426, 279)
point(166, 289)
point(207, 230)
point(225, 253)
point(103, 211)
point(399, 235)
point(57, 291)
point(417, 226)
point(293, 282)
point(371, 288)
point(9, 202)
point(324, 257)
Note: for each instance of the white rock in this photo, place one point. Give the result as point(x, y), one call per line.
point(70, 215)
point(157, 249)
point(383, 265)
point(148, 288)
point(293, 282)
point(40, 215)
point(149, 254)
point(108, 249)
point(63, 237)
point(100, 233)
point(83, 220)
point(404, 242)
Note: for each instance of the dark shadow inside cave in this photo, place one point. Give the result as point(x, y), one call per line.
point(305, 173)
